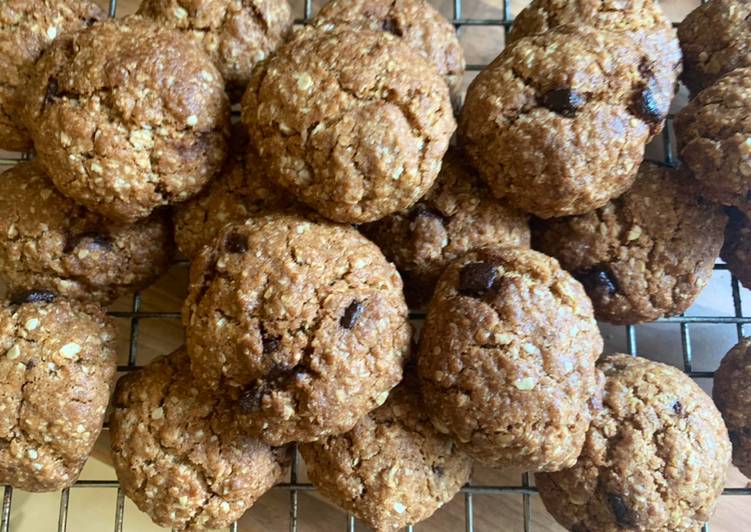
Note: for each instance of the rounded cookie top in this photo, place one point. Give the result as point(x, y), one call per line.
point(715, 39)
point(644, 255)
point(732, 395)
point(736, 250)
point(303, 323)
point(455, 216)
point(714, 139)
point(393, 468)
point(352, 122)
point(27, 27)
point(506, 359)
point(127, 116)
point(57, 366)
point(48, 242)
point(655, 456)
point(235, 34)
point(179, 453)
point(416, 22)
point(583, 106)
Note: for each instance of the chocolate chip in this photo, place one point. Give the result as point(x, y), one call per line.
point(390, 25)
point(351, 315)
point(250, 399)
point(678, 408)
point(598, 280)
point(93, 240)
point(236, 243)
point(438, 470)
point(566, 102)
point(33, 296)
point(477, 278)
point(621, 510)
point(271, 344)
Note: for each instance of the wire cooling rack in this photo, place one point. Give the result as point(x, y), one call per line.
point(135, 316)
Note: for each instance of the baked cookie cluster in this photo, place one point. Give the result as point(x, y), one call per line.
point(514, 235)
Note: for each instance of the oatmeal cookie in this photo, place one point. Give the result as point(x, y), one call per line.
point(235, 34)
point(303, 323)
point(352, 122)
point(582, 103)
point(393, 468)
point(714, 139)
point(455, 216)
point(127, 116)
point(179, 453)
point(507, 359)
point(736, 251)
point(57, 367)
point(416, 22)
point(732, 395)
point(655, 456)
point(48, 242)
point(27, 27)
point(644, 255)
point(715, 39)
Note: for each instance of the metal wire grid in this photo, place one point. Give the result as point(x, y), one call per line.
point(135, 315)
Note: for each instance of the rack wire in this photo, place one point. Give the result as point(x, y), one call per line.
point(135, 315)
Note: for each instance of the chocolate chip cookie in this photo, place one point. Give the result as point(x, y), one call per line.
point(179, 453)
point(393, 468)
point(27, 27)
point(127, 116)
point(242, 189)
point(736, 251)
point(57, 367)
point(507, 359)
point(714, 139)
point(352, 122)
point(235, 34)
point(415, 22)
point(302, 323)
point(581, 102)
point(732, 395)
point(644, 255)
point(455, 216)
point(715, 39)
point(655, 456)
point(48, 242)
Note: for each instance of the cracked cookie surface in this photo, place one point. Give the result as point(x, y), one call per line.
point(27, 27)
point(48, 242)
point(393, 468)
point(57, 367)
point(456, 215)
point(416, 22)
point(732, 395)
point(655, 456)
point(507, 359)
point(127, 116)
point(714, 139)
point(352, 122)
point(644, 255)
point(309, 342)
point(235, 34)
point(179, 453)
point(582, 102)
point(715, 39)
point(736, 251)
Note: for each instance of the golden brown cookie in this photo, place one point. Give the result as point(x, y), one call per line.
point(235, 34)
point(48, 242)
point(646, 254)
point(57, 367)
point(179, 453)
point(507, 359)
point(558, 122)
point(27, 27)
point(456, 215)
point(393, 468)
point(353, 123)
point(303, 323)
point(655, 456)
point(127, 116)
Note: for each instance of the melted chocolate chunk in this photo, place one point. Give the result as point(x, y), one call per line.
point(599, 280)
point(621, 511)
point(94, 241)
point(391, 26)
point(477, 279)
point(236, 243)
point(678, 408)
point(33, 296)
point(351, 315)
point(566, 102)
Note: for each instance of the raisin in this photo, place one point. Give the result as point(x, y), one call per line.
point(351, 315)
point(271, 344)
point(644, 105)
point(621, 511)
point(477, 279)
point(423, 211)
point(678, 408)
point(52, 92)
point(598, 279)
point(33, 296)
point(566, 102)
point(390, 25)
point(250, 399)
point(438, 470)
point(236, 243)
